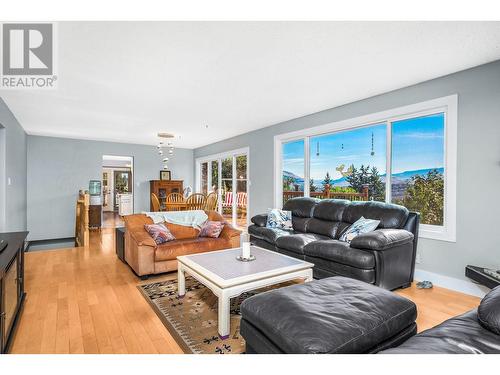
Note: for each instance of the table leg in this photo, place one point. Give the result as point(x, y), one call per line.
point(181, 280)
point(309, 276)
point(224, 316)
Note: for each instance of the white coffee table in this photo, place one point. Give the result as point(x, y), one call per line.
point(227, 277)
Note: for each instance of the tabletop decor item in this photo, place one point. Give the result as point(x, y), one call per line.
point(249, 259)
point(165, 175)
point(245, 250)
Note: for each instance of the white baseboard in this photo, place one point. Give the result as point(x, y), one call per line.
point(459, 285)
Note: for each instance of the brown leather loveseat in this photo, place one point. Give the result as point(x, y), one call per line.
point(146, 257)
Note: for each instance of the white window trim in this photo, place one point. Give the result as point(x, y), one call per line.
point(218, 157)
point(447, 104)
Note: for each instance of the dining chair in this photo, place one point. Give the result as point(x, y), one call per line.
point(196, 201)
point(174, 201)
point(211, 202)
point(242, 202)
point(155, 203)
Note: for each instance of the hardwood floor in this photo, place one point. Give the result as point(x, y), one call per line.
point(85, 300)
point(112, 220)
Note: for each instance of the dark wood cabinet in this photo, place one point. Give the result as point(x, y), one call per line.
point(11, 285)
point(162, 188)
point(95, 216)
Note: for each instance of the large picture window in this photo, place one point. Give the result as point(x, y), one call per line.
point(405, 156)
point(418, 166)
point(349, 164)
point(293, 169)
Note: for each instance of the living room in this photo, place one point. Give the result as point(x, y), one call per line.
point(249, 187)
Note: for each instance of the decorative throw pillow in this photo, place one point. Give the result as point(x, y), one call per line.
point(159, 233)
point(277, 218)
point(211, 229)
point(360, 226)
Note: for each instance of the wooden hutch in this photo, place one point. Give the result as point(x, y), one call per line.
point(162, 188)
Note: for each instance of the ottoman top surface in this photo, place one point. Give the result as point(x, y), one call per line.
point(333, 315)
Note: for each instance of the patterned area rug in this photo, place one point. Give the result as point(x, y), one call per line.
point(192, 320)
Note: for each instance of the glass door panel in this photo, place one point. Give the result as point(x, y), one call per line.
point(227, 191)
point(228, 177)
point(214, 175)
point(241, 191)
point(204, 178)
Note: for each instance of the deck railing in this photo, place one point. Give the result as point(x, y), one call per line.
point(363, 196)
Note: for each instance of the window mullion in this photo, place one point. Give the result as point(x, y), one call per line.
point(307, 167)
point(388, 163)
point(209, 176)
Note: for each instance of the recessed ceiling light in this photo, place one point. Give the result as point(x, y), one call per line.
point(166, 135)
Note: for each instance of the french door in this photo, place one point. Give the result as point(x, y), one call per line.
point(226, 175)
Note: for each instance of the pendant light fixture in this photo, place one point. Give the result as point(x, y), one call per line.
point(373, 149)
point(165, 147)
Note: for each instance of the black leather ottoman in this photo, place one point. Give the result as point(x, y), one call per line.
point(333, 315)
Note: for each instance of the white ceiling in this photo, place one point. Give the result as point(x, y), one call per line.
point(126, 81)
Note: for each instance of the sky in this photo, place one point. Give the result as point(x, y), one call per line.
point(417, 143)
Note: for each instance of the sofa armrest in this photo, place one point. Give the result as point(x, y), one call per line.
point(141, 237)
point(229, 231)
point(260, 220)
point(382, 239)
point(231, 234)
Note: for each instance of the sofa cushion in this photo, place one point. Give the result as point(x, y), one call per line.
point(340, 252)
point(300, 224)
point(211, 229)
point(489, 311)
point(333, 315)
point(159, 233)
point(171, 250)
point(390, 215)
point(362, 225)
point(296, 242)
point(268, 234)
point(301, 207)
point(330, 209)
point(277, 218)
point(324, 227)
point(326, 268)
point(459, 335)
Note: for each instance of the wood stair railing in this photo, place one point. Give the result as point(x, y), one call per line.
point(82, 219)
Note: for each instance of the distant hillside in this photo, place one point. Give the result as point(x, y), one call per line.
point(397, 178)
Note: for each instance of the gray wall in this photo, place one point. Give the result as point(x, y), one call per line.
point(13, 154)
point(59, 167)
point(478, 176)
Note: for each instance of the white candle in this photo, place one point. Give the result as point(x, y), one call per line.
point(245, 250)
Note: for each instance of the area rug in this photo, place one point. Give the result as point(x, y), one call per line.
point(192, 320)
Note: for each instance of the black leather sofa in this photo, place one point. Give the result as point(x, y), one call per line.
point(384, 257)
point(475, 332)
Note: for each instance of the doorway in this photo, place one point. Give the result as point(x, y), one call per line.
point(227, 176)
point(117, 189)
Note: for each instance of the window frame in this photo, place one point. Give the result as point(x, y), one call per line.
point(447, 105)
